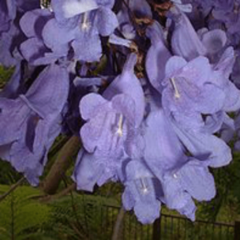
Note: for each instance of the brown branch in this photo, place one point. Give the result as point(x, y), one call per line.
point(60, 166)
point(13, 187)
point(64, 192)
point(118, 224)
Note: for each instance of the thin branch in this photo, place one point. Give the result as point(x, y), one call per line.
point(118, 224)
point(64, 192)
point(60, 166)
point(13, 187)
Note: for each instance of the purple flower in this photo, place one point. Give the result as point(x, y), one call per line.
point(189, 91)
point(192, 179)
point(112, 125)
point(78, 25)
point(223, 70)
point(157, 56)
point(214, 41)
point(8, 47)
point(185, 41)
point(33, 49)
point(142, 192)
point(205, 146)
point(163, 150)
point(181, 177)
point(35, 122)
point(8, 13)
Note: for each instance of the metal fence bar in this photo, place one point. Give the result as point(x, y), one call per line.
point(168, 227)
point(237, 231)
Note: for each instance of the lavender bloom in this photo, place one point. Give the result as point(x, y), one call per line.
point(78, 25)
point(112, 123)
point(105, 132)
point(25, 141)
point(226, 15)
point(222, 72)
point(7, 46)
point(141, 192)
point(226, 12)
point(227, 130)
point(163, 150)
point(179, 175)
point(89, 170)
point(8, 13)
point(214, 41)
point(157, 56)
point(205, 146)
point(192, 179)
point(185, 41)
point(154, 133)
point(11, 36)
point(34, 49)
point(189, 91)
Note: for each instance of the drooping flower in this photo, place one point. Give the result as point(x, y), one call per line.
point(185, 41)
point(112, 123)
point(157, 56)
point(8, 13)
point(78, 25)
point(33, 49)
point(205, 146)
point(182, 178)
point(142, 192)
point(191, 180)
point(189, 91)
point(223, 69)
point(35, 122)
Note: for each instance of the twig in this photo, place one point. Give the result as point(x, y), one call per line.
point(13, 187)
point(64, 192)
point(60, 166)
point(118, 224)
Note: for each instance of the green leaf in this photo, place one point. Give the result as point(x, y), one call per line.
point(20, 214)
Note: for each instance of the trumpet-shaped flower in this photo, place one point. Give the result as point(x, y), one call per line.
point(142, 192)
point(112, 125)
point(189, 91)
point(78, 24)
point(35, 122)
point(185, 41)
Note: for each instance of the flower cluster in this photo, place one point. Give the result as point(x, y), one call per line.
point(150, 84)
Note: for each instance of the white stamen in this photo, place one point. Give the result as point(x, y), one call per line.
point(120, 126)
point(175, 175)
point(143, 186)
point(176, 94)
point(85, 23)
